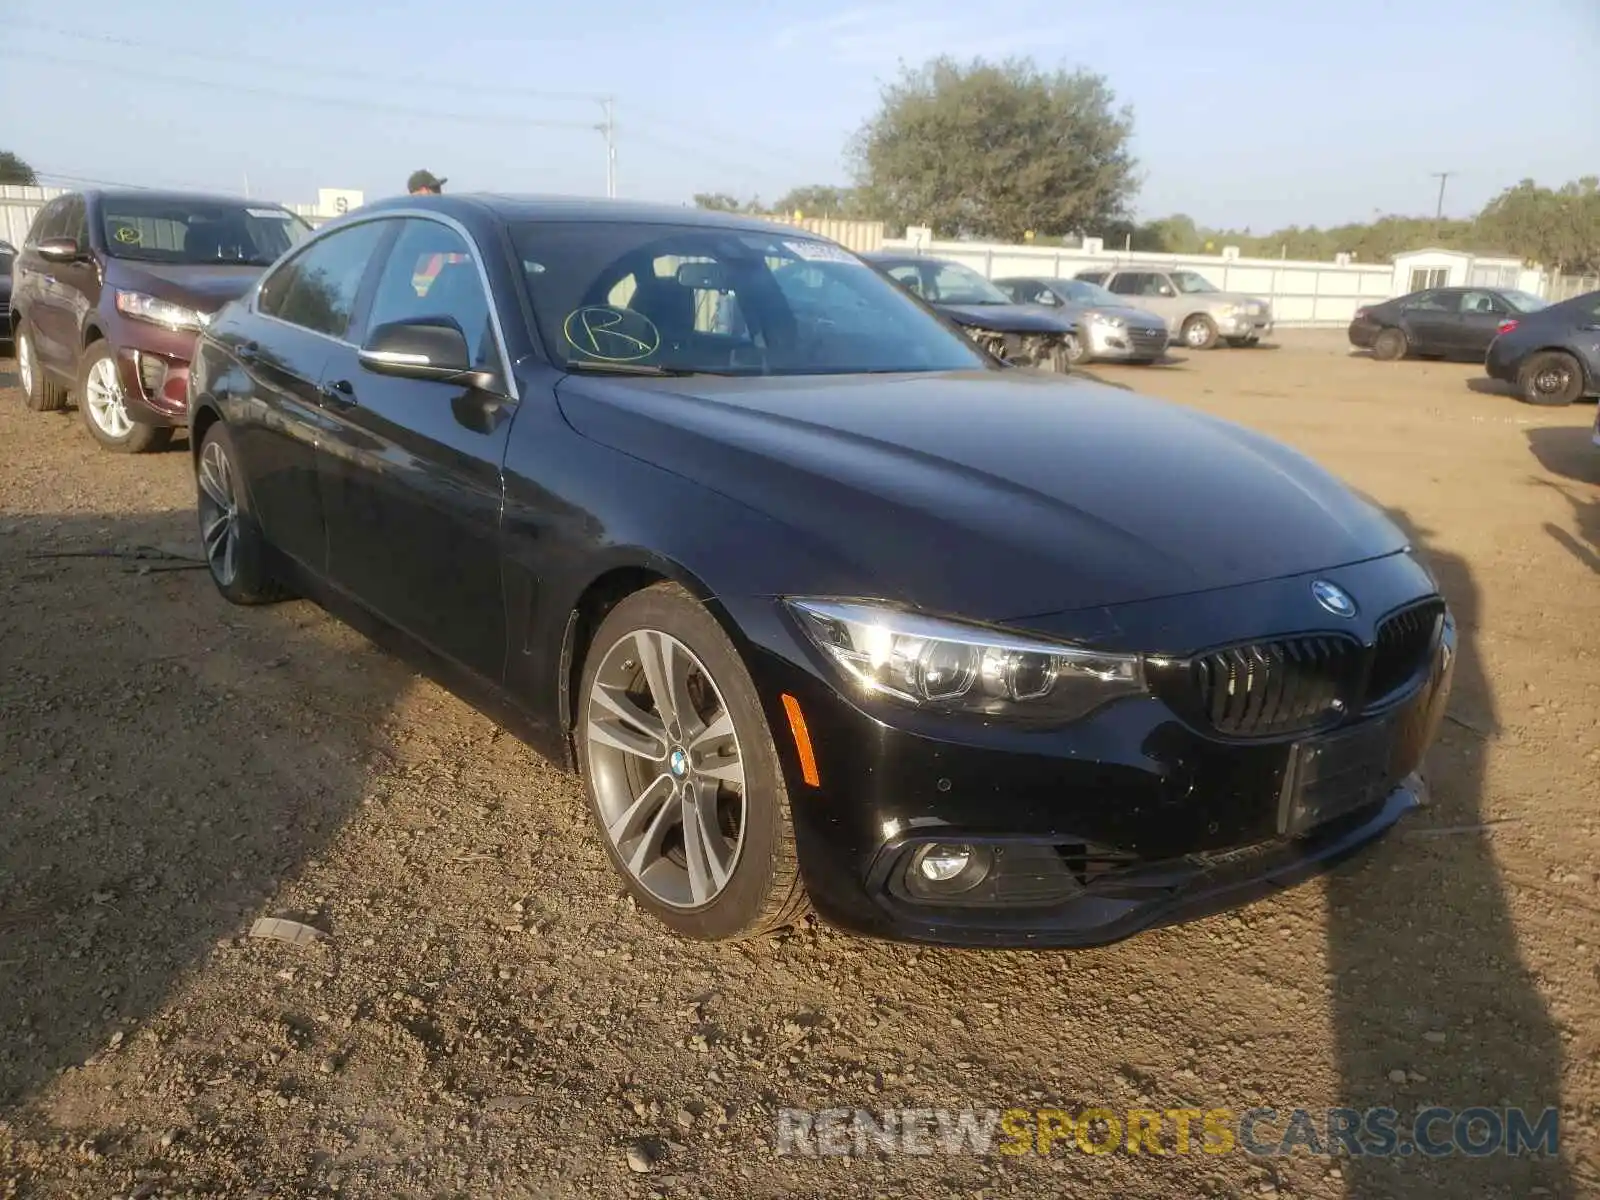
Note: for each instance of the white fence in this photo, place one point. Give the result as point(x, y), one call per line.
point(1301, 293)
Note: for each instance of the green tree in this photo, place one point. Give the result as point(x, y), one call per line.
point(997, 150)
point(14, 170)
point(821, 200)
point(717, 202)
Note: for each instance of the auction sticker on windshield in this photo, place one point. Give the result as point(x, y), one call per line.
point(821, 252)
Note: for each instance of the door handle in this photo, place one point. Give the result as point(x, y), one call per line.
point(247, 351)
point(339, 391)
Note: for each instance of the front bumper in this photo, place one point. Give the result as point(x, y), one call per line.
point(1250, 325)
point(153, 366)
point(1129, 819)
point(1125, 343)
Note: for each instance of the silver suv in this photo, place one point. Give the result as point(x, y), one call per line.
point(1195, 310)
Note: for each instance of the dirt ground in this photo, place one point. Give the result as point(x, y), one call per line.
point(489, 1017)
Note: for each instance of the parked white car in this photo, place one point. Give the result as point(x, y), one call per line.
point(1192, 306)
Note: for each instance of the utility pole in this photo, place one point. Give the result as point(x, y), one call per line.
point(608, 128)
point(1441, 176)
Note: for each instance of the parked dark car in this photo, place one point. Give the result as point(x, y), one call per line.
point(1552, 354)
point(1448, 322)
point(1109, 327)
point(823, 604)
point(8, 255)
point(1018, 333)
point(110, 289)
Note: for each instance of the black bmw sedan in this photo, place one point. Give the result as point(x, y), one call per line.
point(825, 606)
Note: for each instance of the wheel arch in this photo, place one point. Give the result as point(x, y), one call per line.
point(1590, 380)
point(631, 572)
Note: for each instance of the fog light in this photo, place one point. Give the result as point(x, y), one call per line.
point(152, 372)
point(941, 863)
point(944, 869)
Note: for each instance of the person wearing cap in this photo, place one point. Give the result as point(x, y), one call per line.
point(424, 183)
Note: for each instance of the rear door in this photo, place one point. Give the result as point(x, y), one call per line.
point(411, 474)
point(38, 293)
point(1481, 314)
point(298, 321)
point(1432, 321)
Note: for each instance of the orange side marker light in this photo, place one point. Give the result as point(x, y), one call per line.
point(802, 741)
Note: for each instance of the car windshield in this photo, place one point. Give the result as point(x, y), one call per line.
point(1189, 283)
point(199, 232)
point(642, 297)
point(1525, 302)
point(956, 283)
point(1081, 291)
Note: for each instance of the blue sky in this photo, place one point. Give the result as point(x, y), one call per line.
point(1257, 115)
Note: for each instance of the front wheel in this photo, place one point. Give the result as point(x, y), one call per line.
point(1550, 378)
point(682, 774)
point(105, 407)
point(1199, 332)
point(234, 549)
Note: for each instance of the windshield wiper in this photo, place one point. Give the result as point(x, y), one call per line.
point(625, 368)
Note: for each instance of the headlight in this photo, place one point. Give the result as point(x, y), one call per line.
point(932, 663)
point(160, 312)
point(1107, 321)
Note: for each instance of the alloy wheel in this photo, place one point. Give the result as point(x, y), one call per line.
point(1197, 334)
point(1552, 381)
point(103, 395)
point(25, 363)
point(219, 513)
point(666, 769)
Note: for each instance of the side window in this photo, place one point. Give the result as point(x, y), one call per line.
point(908, 275)
point(1482, 302)
point(1433, 302)
point(47, 224)
point(1128, 283)
point(317, 289)
point(432, 275)
point(75, 222)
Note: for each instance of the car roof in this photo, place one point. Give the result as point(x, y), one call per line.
point(164, 196)
point(582, 208)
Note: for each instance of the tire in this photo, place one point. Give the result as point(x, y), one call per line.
point(1550, 378)
point(222, 495)
point(1199, 332)
point(105, 409)
point(1076, 351)
point(624, 764)
point(1390, 345)
point(39, 392)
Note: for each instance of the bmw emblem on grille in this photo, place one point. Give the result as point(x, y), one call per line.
point(1333, 598)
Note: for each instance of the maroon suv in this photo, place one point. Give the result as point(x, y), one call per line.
point(110, 289)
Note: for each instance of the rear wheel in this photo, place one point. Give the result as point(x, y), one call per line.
point(1389, 346)
point(1551, 378)
point(682, 774)
point(1199, 332)
point(39, 391)
point(105, 407)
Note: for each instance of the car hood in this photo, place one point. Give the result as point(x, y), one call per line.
point(1139, 318)
point(205, 288)
point(1006, 318)
point(994, 494)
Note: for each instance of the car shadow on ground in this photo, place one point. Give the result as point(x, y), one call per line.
point(1570, 452)
point(1485, 386)
point(150, 819)
point(1432, 1002)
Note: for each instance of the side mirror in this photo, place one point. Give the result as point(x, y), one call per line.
point(59, 249)
point(423, 350)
